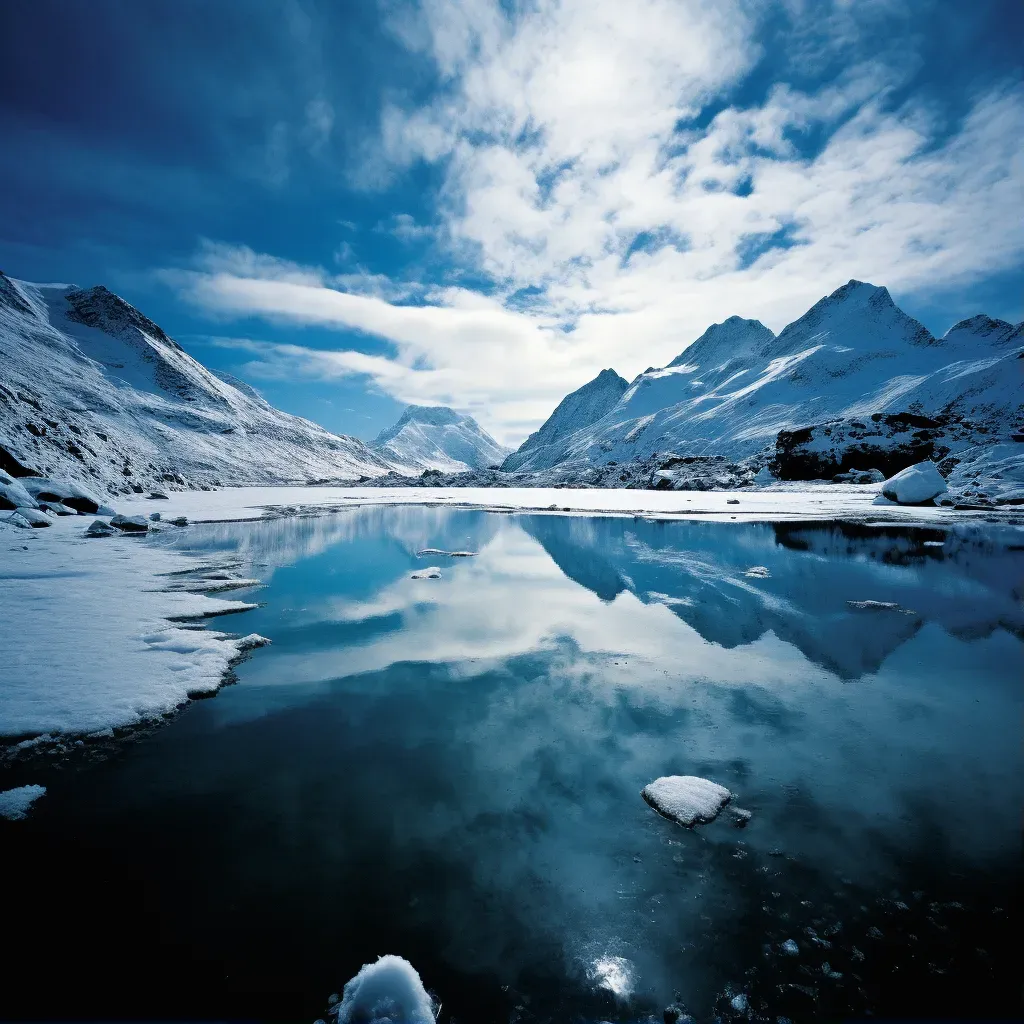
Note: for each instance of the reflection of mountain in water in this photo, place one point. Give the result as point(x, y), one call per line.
point(965, 581)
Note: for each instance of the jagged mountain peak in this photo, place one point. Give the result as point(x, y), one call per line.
point(987, 329)
point(730, 339)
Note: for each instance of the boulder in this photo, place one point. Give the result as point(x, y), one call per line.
point(68, 492)
point(154, 517)
point(158, 495)
point(34, 517)
point(179, 521)
point(58, 508)
point(915, 485)
point(13, 494)
point(98, 528)
point(130, 524)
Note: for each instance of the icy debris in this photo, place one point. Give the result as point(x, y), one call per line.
point(740, 816)
point(879, 606)
point(432, 572)
point(14, 803)
point(758, 572)
point(614, 974)
point(739, 1003)
point(686, 799)
point(826, 969)
point(130, 524)
point(915, 484)
point(251, 642)
point(386, 992)
point(98, 528)
point(426, 552)
point(790, 948)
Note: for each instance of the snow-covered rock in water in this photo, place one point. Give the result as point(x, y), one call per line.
point(130, 524)
point(435, 437)
point(575, 412)
point(431, 572)
point(33, 517)
point(15, 803)
point(915, 485)
point(386, 992)
point(790, 948)
point(687, 799)
point(92, 391)
point(98, 528)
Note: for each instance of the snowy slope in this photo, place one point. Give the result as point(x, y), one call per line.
point(853, 354)
point(435, 437)
point(92, 390)
point(575, 412)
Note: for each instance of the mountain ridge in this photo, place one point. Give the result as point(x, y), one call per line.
point(437, 437)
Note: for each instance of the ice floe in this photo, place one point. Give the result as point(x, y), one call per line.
point(15, 803)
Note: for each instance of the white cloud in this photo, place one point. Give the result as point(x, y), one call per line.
point(581, 165)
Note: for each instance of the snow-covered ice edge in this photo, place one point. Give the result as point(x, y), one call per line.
point(99, 635)
point(781, 502)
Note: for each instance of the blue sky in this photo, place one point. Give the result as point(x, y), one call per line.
point(358, 205)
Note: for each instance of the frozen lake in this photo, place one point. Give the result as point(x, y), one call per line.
point(450, 769)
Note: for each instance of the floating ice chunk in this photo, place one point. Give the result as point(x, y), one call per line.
point(790, 948)
point(758, 572)
point(915, 484)
point(386, 992)
point(687, 799)
point(14, 803)
point(251, 642)
point(432, 572)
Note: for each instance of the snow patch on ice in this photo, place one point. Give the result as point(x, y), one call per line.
point(15, 803)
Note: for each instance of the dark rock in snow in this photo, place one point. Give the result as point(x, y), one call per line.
point(130, 524)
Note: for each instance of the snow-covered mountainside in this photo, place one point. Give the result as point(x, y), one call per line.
point(575, 412)
point(853, 355)
point(92, 390)
point(435, 437)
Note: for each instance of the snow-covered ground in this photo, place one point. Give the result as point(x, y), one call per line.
point(779, 502)
point(97, 635)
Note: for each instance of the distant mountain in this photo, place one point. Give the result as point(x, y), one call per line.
point(92, 390)
point(574, 413)
point(435, 437)
point(853, 355)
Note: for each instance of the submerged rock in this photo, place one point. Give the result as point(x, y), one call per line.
point(686, 799)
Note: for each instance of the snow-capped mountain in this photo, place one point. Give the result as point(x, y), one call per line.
point(435, 437)
point(575, 412)
point(90, 389)
point(852, 355)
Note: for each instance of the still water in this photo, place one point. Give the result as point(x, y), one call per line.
point(450, 770)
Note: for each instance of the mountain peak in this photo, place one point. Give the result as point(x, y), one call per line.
point(436, 415)
point(730, 339)
point(436, 437)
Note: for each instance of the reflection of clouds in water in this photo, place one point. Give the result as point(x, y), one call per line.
point(510, 713)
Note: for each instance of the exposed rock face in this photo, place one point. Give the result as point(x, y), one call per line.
point(887, 443)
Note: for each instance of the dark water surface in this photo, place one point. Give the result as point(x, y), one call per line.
point(451, 770)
